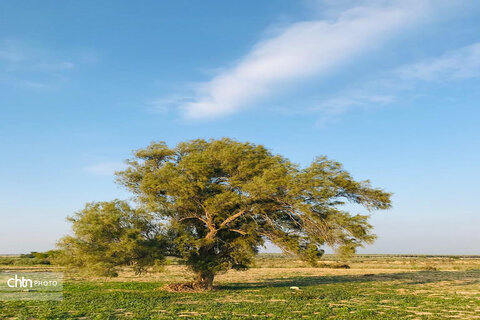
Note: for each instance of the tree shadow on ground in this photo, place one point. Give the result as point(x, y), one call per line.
point(416, 277)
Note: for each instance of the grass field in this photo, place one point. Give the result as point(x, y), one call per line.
point(375, 287)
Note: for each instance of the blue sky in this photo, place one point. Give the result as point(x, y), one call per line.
point(389, 88)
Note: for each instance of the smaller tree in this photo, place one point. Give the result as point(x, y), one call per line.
point(111, 234)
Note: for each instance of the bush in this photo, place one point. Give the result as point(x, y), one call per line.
point(429, 267)
point(7, 261)
point(30, 259)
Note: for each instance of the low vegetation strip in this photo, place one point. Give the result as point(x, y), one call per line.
point(373, 288)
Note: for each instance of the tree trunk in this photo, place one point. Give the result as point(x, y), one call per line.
point(204, 280)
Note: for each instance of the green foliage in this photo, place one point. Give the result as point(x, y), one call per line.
point(218, 201)
point(111, 234)
point(29, 259)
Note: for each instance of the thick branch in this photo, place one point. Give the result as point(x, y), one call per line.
point(213, 231)
point(211, 234)
point(194, 217)
point(231, 218)
point(211, 226)
point(239, 231)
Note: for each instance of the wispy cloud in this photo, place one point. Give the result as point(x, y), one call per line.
point(330, 108)
point(462, 63)
point(299, 51)
point(33, 68)
point(104, 168)
point(457, 64)
point(164, 105)
point(341, 104)
point(53, 66)
point(11, 52)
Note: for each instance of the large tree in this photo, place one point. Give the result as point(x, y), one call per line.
point(215, 203)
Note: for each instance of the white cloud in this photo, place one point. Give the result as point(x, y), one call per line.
point(463, 63)
point(32, 68)
point(53, 66)
point(36, 85)
point(301, 50)
point(163, 105)
point(105, 168)
point(11, 53)
point(458, 64)
point(340, 104)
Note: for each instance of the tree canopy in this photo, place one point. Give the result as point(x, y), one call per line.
point(214, 203)
point(112, 234)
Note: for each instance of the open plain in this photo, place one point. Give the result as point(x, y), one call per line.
point(277, 287)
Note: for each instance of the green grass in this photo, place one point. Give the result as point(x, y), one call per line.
point(375, 292)
point(17, 261)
